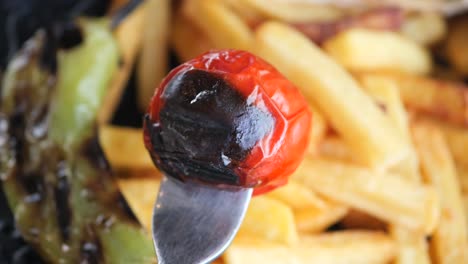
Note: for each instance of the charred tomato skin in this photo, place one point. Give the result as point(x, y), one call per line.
point(228, 117)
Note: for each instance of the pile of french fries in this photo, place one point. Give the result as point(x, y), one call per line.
point(385, 179)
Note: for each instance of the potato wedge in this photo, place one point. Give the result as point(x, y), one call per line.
point(371, 50)
point(372, 136)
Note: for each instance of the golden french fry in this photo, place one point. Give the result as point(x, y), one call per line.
point(383, 195)
point(411, 246)
point(317, 131)
point(293, 12)
point(442, 99)
point(153, 60)
point(455, 48)
point(425, 28)
point(221, 24)
point(124, 147)
point(369, 50)
point(350, 247)
point(333, 147)
point(297, 196)
point(248, 14)
point(386, 94)
point(128, 36)
point(187, 39)
point(313, 219)
point(457, 140)
point(356, 219)
point(269, 219)
point(372, 136)
point(449, 239)
point(140, 193)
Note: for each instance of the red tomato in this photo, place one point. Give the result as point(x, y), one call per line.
point(228, 118)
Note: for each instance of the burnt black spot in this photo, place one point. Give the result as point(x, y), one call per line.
point(206, 129)
point(62, 201)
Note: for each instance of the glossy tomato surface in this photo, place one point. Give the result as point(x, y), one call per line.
point(228, 118)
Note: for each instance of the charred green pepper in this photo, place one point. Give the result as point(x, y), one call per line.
point(55, 176)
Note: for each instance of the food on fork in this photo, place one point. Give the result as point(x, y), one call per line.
point(227, 117)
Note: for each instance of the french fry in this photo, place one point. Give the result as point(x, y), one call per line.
point(442, 99)
point(269, 219)
point(350, 247)
point(248, 14)
point(455, 48)
point(317, 131)
point(297, 196)
point(371, 50)
point(449, 240)
point(294, 12)
point(457, 140)
point(383, 195)
point(333, 147)
point(314, 220)
point(411, 246)
point(124, 148)
point(129, 37)
point(222, 26)
point(140, 193)
point(380, 18)
point(386, 94)
point(187, 39)
point(372, 136)
point(153, 60)
point(425, 28)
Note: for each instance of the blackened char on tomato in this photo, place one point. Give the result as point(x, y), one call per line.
point(206, 128)
point(228, 117)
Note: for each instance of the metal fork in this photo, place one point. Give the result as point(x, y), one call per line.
point(194, 223)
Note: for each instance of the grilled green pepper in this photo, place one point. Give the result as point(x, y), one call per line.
point(55, 175)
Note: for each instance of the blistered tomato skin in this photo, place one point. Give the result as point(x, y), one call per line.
point(228, 118)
